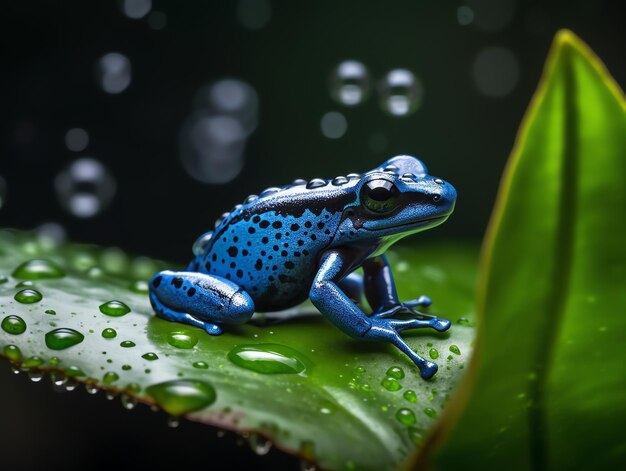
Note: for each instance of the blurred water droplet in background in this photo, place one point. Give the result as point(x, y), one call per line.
point(76, 139)
point(212, 147)
point(464, 15)
point(400, 92)
point(496, 71)
point(85, 187)
point(157, 20)
point(254, 14)
point(136, 9)
point(233, 98)
point(377, 142)
point(51, 232)
point(492, 15)
point(334, 125)
point(3, 192)
point(350, 83)
point(113, 72)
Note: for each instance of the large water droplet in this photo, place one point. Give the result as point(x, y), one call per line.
point(269, 358)
point(114, 308)
point(391, 384)
point(400, 93)
point(13, 325)
point(28, 296)
point(406, 416)
point(85, 188)
point(434, 353)
point(38, 269)
point(12, 352)
point(109, 333)
point(113, 72)
point(349, 83)
point(182, 340)
point(60, 339)
point(181, 396)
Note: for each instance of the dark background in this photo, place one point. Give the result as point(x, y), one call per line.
point(48, 85)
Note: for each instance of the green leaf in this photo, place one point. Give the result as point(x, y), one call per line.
point(546, 389)
point(313, 391)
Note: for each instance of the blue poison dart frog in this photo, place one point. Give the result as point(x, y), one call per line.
point(306, 240)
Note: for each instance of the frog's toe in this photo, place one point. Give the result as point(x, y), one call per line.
point(428, 369)
point(422, 301)
point(441, 325)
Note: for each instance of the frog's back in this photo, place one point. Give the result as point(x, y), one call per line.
point(270, 244)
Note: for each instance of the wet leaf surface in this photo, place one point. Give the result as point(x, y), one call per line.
point(301, 382)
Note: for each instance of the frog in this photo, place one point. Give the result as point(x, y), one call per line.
point(307, 240)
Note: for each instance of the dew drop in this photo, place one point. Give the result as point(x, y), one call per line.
point(391, 384)
point(173, 422)
point(463, 321)
point(200, 365)
point(127, 344)
point(38, 270)
point(114, 308)
point(85, 188)
point(430, 412)
point(150, 356)
point(180, 396)
point(35, 375)
point(51, 312)
point(15, 369)
point(57, 379)
point(400, 93)
point(139, 287)
point(349, 83)
point(109, 333)
point(127, 367)
point(406, 416)
point(60, 339)
point(73, 371)
point(182, 340)
point(455, 349)
point(3, 279)
point(13, 325)
point(395, 372)
point(200, 245)
point(110, 377)
point(434, 353)
point(32, 362)
point(28, 296)
point(410, 395)
point(91, 388)
point(12, 352)
point(260, 445)
point(415, 436)
point(269, 358)
point(128, 402)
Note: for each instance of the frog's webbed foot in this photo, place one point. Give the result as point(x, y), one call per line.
point(173, 316)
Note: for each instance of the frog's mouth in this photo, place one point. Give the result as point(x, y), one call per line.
point(422, 223)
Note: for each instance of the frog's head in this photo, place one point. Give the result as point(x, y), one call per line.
point(394, 200)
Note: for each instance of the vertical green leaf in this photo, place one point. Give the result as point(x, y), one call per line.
point(547, 385)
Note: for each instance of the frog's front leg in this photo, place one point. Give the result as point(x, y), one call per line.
point(335, 305)
point(199, 300)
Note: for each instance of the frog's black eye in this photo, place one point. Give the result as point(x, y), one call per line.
point(379, 196)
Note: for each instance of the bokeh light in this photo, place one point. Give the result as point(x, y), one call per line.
point(350, 83)
point(464, 15)
point(400, 93)
point(113, 72)
point(76, 139)
point(157, 20)
point(334, 125)
point(254, 14)
point(495, 71)
point(492, 15)
point(85, 187)
point(136, 9)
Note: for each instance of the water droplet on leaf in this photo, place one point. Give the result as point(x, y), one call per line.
point(13, 325)
point(391, 384)
point(38, 270)
point(395, 372)
point(269, 358)
point(182, 340)
point(109, 333)
point(60, 339)
point(406, 416)
point(181, 396)
point(114, 308)
point(28, 296)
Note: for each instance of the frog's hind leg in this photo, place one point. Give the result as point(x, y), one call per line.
point(352, 286)
point(200, 300)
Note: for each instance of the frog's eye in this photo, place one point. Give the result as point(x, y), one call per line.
point(379, 196)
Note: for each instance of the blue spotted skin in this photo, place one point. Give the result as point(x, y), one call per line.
point(306, 240)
